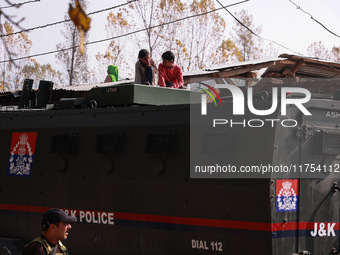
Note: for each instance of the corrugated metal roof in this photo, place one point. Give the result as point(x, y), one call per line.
point(293, 66)
point(243, 64)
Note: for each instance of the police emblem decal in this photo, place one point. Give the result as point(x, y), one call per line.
point(21, 153)
point(286, 195)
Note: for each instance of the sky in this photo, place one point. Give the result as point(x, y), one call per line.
point(281, 22)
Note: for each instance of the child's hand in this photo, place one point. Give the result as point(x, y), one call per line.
point(148, 62)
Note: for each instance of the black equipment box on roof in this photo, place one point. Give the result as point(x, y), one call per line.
point(129, 94)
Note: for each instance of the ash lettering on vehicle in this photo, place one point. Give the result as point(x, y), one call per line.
point(333, 115)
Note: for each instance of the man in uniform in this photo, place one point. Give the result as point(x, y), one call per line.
point(55, 228)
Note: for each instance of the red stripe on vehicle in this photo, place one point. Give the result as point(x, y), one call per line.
point(245, 225)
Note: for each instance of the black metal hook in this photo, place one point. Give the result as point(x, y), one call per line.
point(336, 187)
point(334, 251)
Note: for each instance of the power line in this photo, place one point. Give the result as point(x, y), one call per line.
point(167, 23)
point(255, 33)
point(19, 4)
point(126, 34)
point(298, 7)
point(67, 20)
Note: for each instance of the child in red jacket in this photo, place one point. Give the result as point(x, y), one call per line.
point(169, 74)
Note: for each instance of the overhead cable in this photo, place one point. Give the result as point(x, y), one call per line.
point(252, 32)
point(298, 7)
point(126, 34)
point(67, 20)
point(19, 4)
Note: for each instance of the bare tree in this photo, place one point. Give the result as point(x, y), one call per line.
point(37, 72)
point(12, 76)
point(18, 45)
point(117, 53)
point(203, 35)
point(189, 28)
point(245, 36)
point(336, 53)
point(193, 40)
point(75, 63)
point(10, 20)
point(227, 52)
point(319, 50)
point(150, 13)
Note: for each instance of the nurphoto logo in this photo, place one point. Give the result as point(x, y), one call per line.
point(238, 99)
point(279, 101)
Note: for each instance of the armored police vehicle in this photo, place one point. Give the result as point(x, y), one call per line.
point(150, 170)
